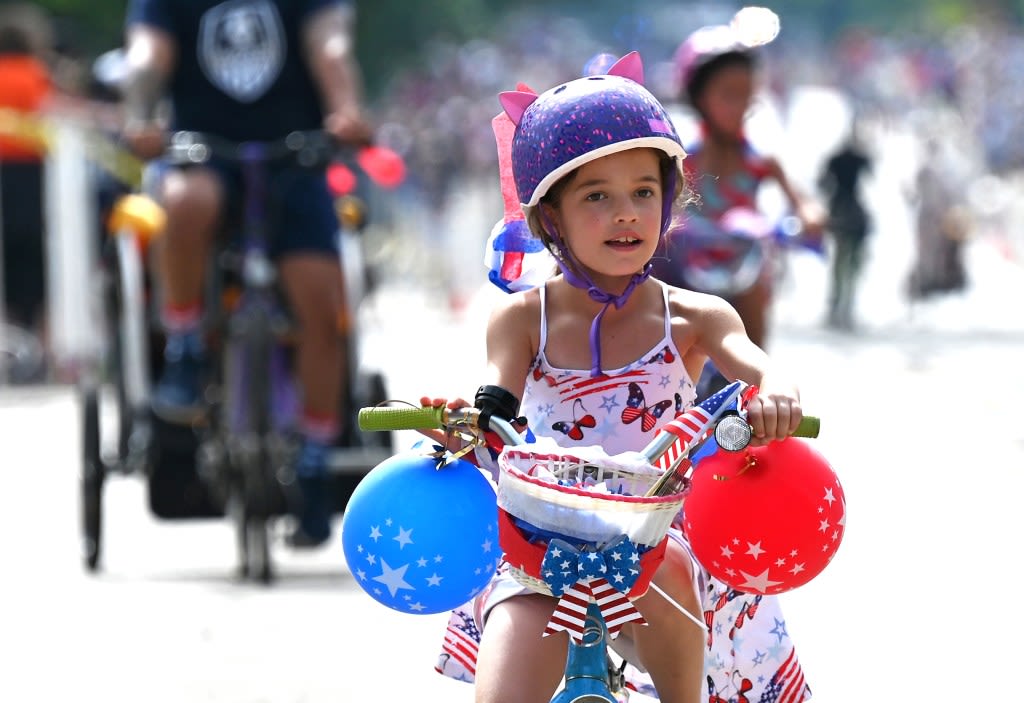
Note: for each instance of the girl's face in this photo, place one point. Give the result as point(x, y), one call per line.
point(609, 213)
point(726, 98)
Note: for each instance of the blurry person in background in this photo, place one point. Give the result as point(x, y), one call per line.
point(716, 73)
point(25, 86)
point(848, 224)
point(249, 70)
point(942, 223)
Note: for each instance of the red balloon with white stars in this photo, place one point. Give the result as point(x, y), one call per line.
point(765, 520)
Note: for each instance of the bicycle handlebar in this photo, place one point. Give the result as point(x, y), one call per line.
point(809, 427)
point(307, 147)
point(381, 419)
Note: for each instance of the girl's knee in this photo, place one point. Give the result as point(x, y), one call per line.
point(674, 586)
point(521, 614)
point(515, 661)
point(678, 565)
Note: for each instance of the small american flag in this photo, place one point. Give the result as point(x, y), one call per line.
point(695, 424)
point(787, 684)
point(462, 640)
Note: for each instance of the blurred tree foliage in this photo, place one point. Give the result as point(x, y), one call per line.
point(831, 16)
point(393, 33)
point(86, 28)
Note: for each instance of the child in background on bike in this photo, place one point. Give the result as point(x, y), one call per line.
point(249, 70)
point(597, 168)
point(715, 72)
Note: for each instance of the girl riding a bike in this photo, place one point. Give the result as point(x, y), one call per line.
point(602, 353)
point(715, 72)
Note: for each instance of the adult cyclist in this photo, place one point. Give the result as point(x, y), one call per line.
point(249, 70)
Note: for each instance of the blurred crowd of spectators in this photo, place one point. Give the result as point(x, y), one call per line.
point(963, 85)
point(440, 109)
point(960, 88)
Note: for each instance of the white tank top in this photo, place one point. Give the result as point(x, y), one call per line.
point(619, 410)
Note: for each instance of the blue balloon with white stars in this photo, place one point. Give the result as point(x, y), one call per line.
point(421, 539)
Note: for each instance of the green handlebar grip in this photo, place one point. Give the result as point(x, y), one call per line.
point(381, 419)
point(808, 427)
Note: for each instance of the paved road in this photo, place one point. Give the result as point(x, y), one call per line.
point(918, 425)
point(921, 421)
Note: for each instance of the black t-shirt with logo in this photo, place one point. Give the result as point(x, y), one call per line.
point(241, 71)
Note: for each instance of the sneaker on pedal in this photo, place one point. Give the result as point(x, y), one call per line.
point(314, 518)
point(178, 396)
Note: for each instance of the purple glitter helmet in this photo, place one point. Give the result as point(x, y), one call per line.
point(582, 120)
point(578, 122)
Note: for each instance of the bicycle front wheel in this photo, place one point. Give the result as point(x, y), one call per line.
point(247, 377)
point(92, 479)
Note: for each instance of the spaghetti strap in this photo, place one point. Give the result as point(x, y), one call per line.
point(543, 318)
point(668, 313)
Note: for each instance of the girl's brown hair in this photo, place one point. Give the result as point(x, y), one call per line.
point(680, 199)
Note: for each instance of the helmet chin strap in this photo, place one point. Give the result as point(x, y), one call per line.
point(578, 278)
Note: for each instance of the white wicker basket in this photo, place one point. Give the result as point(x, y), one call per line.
point(586, 495)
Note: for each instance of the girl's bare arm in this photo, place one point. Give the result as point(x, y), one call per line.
point(509, 353)
point(511, 343)
point(719, 333)
point(810, 212)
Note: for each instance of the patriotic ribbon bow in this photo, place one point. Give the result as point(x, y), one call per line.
point(603, 576)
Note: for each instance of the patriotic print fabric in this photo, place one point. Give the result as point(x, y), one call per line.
point(461, 641)
point(620, 410)
point(749, 658)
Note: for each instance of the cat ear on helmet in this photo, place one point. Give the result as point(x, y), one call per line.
point(515, 102)
point(629, 66)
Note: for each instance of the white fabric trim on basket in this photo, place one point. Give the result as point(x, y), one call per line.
point(625, 476)
point(528, 489)
point(545, 454)
point(587, 519)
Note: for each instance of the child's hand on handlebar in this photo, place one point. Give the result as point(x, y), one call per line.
point(813, 219)
point(440, 436)
point(453, 443)
point(773, 413)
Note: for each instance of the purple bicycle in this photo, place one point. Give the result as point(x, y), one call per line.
point(238, 461)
